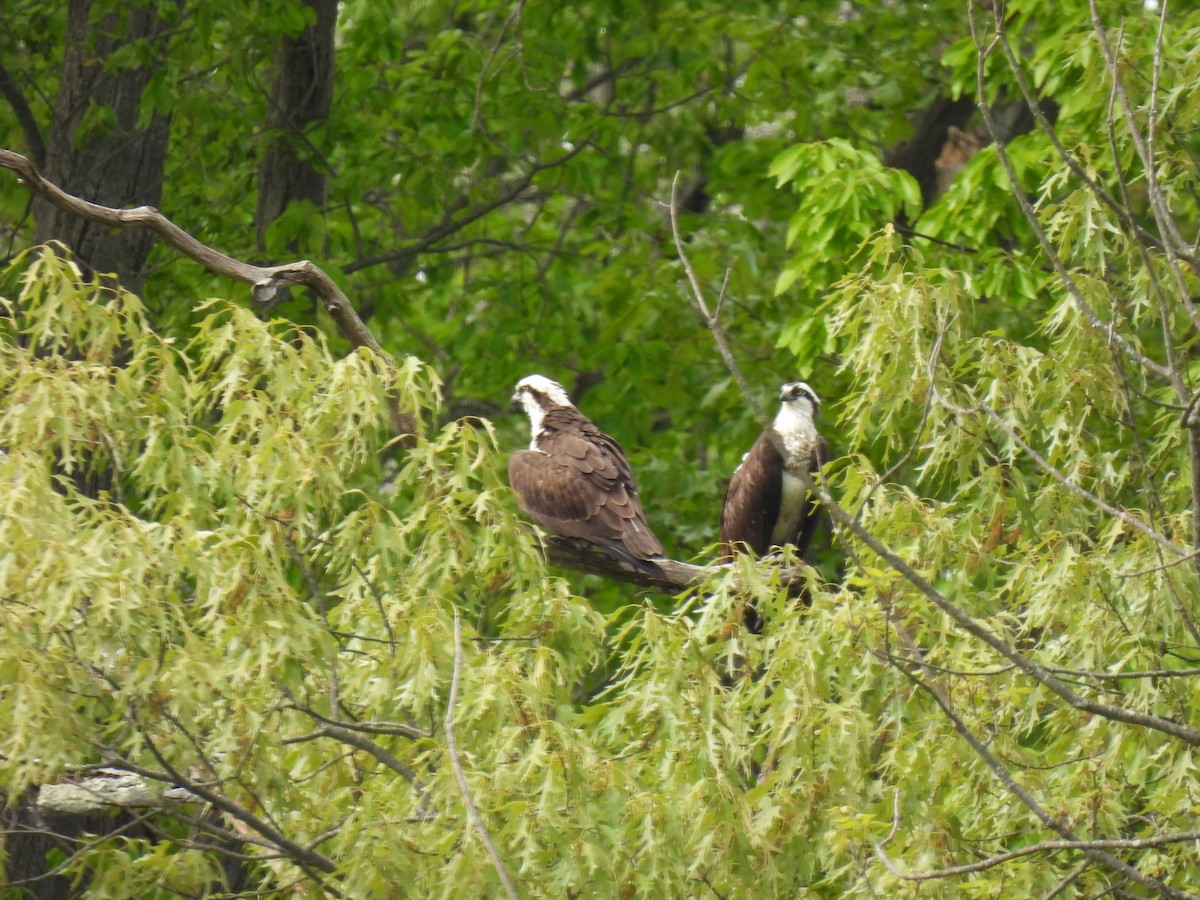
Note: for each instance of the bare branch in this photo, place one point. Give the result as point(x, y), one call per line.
point(400, 729)
point(452, 750)
point(267, 281)
point(1040, 847)
point(356, 740)
point(711, 320)
point(451, 226)
point(673, 576)
point(308, 859)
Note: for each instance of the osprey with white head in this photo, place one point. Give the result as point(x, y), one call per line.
point(766, 505)
point(575, 481)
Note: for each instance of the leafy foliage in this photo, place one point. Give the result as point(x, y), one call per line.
point(219, 572)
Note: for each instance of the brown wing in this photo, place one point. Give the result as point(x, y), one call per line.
point(581, 487)
point(752, 500)
point(752, 505)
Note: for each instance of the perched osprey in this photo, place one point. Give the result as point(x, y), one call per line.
point(766, 506)
point(574, 480)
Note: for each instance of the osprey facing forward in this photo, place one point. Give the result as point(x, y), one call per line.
point(766, 506)
point(574, 480)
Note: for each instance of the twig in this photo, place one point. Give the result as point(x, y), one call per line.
point(710, 320)
point(307, 859)
point(1031, 218)
point(920, 429)
point(1060, 477)
point(452, 750)
point(1160, 568)
point(1040, 847)
point(399, 729)
point(1065, 881)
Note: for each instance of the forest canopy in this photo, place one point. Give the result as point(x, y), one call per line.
point(261, 564)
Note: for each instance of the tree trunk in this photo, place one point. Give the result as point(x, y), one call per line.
point(302, 95)
point(97, 149)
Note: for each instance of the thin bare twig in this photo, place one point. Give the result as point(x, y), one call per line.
point(452, 750)
point(1040, 847)
point(711, 320)
point(1066, 880)
point(1060, 477)
point(912, 446)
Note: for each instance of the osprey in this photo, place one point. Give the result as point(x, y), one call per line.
point(574, 480)
point(766, 505)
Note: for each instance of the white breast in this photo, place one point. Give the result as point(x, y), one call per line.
point(791, 507)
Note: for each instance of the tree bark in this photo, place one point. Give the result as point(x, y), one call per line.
point(302, 95)
point(97, 149)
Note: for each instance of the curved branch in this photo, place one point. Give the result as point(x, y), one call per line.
point(267, 281)
point(1040, 847)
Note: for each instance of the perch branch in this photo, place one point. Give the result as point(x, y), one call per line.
point(673, 575)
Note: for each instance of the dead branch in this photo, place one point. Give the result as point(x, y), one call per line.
point(266, 281)
point(713, 323)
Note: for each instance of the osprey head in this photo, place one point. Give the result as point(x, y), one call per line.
point(798, 391)
point(534, 395)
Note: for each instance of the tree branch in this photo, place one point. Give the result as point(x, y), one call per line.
point(1095, 851)
point(20, 106)
point(1038, 672)
point(452, 750)
point(451, 226)
point(712, 322)
point(266, 281)
point(1060, 268)
point(308, 859)
point(673, 575)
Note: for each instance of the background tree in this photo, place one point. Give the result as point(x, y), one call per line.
point(352, 668)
